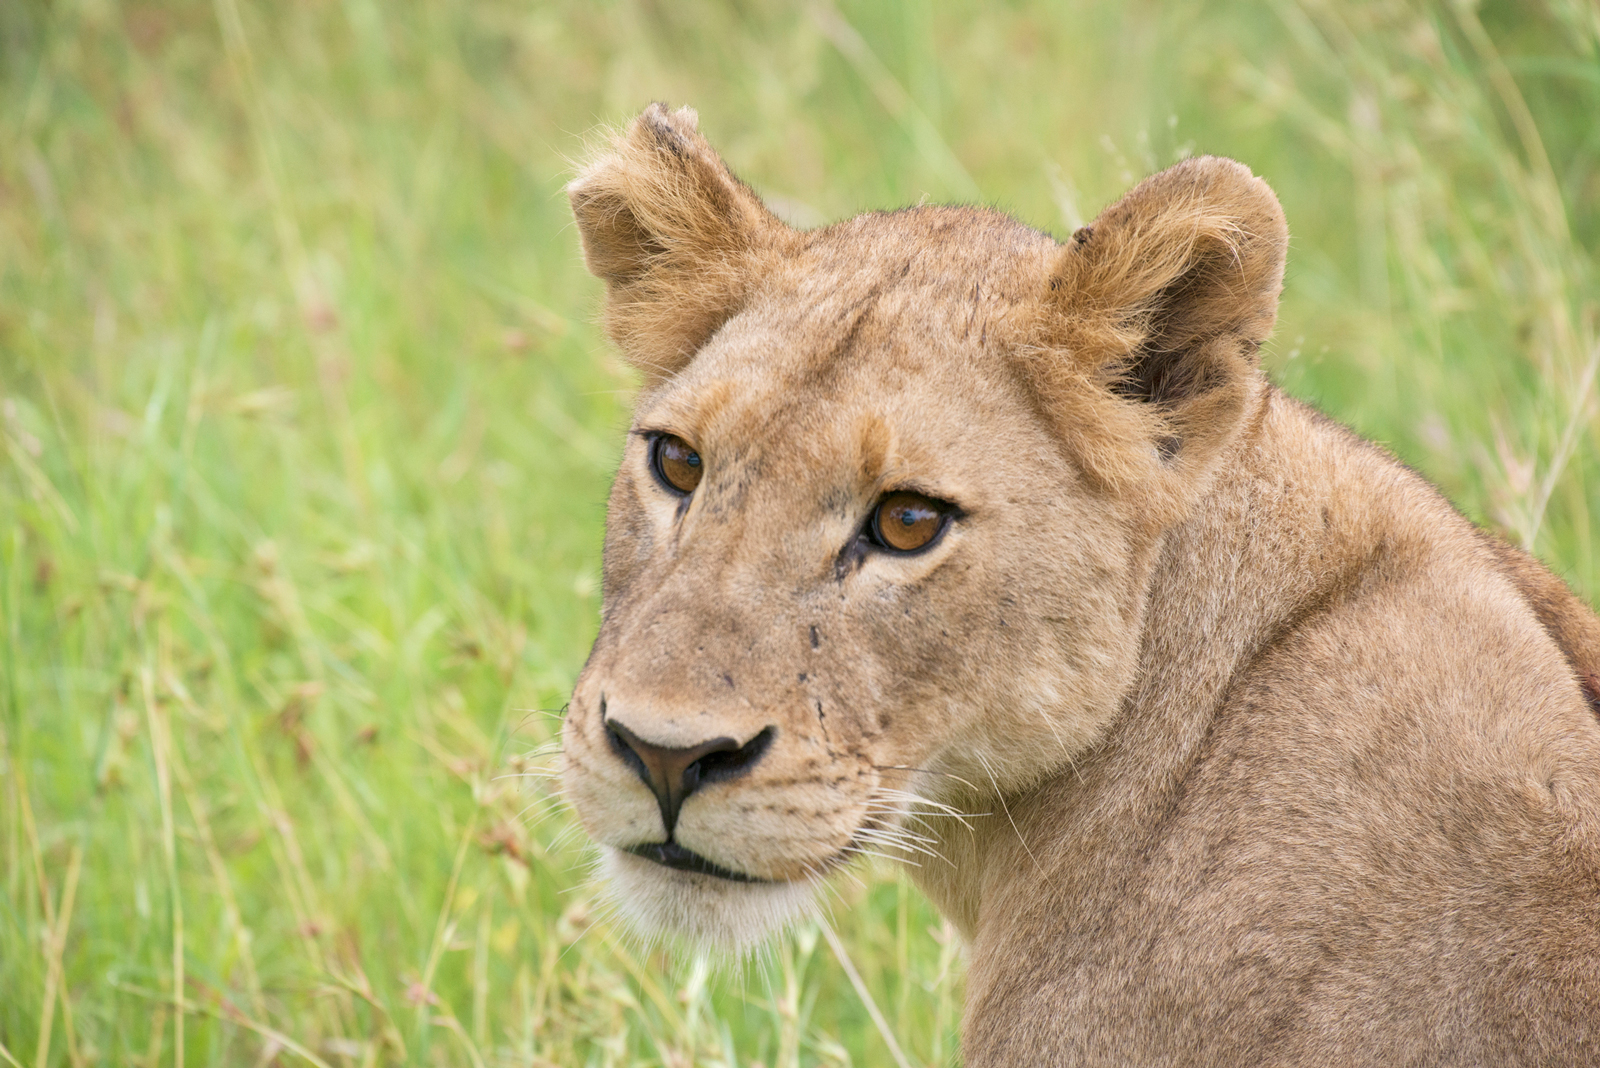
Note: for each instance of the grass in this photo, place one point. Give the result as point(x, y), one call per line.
point(307, 430)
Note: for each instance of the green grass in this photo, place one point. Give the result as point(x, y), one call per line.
point(307, 430)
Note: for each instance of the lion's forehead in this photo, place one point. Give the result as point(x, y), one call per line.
point(898, 319)
point(839, 438)
point(942, 246)
point(887, 397)
point(901, 289)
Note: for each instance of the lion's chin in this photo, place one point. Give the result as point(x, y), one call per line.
point(704, 910)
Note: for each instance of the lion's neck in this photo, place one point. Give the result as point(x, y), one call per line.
point(1300, 515)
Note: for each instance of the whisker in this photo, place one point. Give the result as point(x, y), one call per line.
point(858, 851)
point(897, 838)
point(918, 799)
point(926, 820)
point(545, 805)
point(910, 769)
point(565, 837)
point(535, 799)
point(904, 848)
point(893, 834)
point(542, 776)
point(581, 936)
point(911, 836)
point(822, 903)
point(915, 817)
point(1005, 808)
point(530, 716)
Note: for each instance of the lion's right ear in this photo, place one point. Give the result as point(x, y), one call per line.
point(677, 239)
point(1153, 319)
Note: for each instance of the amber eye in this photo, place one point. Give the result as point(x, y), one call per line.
point(906, 522)
point(675, 463)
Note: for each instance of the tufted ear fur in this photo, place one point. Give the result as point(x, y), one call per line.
point(1153, 319)
point(676, 238)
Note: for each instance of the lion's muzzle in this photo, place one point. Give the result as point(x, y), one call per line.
point(673, 773)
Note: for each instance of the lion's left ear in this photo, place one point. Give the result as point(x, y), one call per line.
point(1155, 313)
point(677, 239)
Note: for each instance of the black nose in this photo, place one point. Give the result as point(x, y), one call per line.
point(673, 774)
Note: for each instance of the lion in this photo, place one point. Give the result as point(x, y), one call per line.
point(1220, 736)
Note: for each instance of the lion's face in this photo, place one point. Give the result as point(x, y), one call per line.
point(769, 607)
point(851, 561)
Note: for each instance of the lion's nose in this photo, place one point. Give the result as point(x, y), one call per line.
point(673, 774)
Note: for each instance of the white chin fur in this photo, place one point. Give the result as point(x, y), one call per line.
point(713, 913)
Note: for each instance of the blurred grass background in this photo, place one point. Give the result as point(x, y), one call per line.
point(307, 430)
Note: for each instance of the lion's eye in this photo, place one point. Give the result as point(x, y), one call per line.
point(906, 522)
point(675, 463)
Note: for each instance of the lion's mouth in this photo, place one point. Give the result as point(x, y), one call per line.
point(673, 855)
point(670, 854)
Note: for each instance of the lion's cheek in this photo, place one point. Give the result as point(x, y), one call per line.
point(1002, 693)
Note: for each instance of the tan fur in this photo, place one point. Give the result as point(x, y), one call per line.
point(1222, 738)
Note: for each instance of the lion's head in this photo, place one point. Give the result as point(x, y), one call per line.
point(879, 538)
